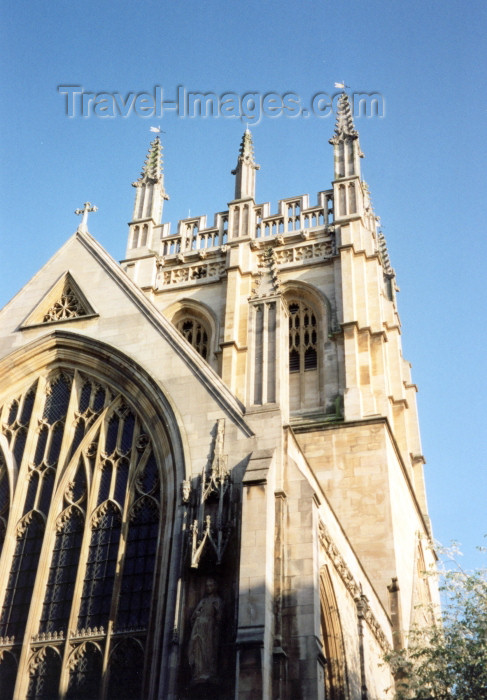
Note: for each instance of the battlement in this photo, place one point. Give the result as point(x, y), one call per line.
point(244, 220)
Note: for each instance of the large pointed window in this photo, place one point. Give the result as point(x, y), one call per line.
point(304, 385)
point(84, 549)
point(303, 337)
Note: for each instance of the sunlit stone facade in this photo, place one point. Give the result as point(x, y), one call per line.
point(211, 477)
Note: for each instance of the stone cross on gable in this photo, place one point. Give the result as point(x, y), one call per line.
point(87, 208)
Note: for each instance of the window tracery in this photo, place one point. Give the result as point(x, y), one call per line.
point(8, 673)
point(67, 306)
point(125, 671)
point(45, 670)
point(62, 572)
point(85, 672)
point(305, 385)
point(303, 337)
point(196, 334)
point(90, 493)
point(20, 583)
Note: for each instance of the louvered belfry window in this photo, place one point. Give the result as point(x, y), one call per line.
point(80, 559)
point(302, 337)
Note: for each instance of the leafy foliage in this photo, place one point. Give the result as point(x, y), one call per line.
point(447, 658)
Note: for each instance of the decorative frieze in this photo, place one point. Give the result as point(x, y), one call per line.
point(302, 254)
point(7, 641)
point(86, 632)
point(55, 636)
point(190, 273)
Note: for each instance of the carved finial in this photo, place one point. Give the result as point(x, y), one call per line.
point(267, 282)
point(245, 168)
point(87, 208)
point(247, 147)
point(153, 165)
point(344, 126)
point(152, 169)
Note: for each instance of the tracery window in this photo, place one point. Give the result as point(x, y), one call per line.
point(22, 576)
point(196, 334)
point(85, 672)
point(304, 380)
point(45, 670)
point(89, 495)
point(67, 306)
point(303, 336)
point(125, 677)
point(62, 572)
point(8, 673)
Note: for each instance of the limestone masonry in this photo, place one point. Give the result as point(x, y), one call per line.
point(211, 477)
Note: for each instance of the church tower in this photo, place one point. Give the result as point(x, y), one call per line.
point(211, 477)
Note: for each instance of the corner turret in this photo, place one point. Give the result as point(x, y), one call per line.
point(346, 142)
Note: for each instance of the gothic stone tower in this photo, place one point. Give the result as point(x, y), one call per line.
point(211, 480)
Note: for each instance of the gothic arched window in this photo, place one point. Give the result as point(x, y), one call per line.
point(85, 673)
point(195, 333)
point(20, 582)
point(304, 389)
point(62, 572)
point(125, 671)
point(303, 337)
point(8, 673)
point(88, 497)
point(45, 670)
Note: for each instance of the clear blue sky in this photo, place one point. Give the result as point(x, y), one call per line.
point(425, 162)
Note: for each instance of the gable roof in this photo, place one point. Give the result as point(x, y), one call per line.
point(14, 321)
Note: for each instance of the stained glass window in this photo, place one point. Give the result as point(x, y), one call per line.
point(85, 675)
point(22, 576)
point(97, 592)
point(84, 461)
point(138, 572)
point(62, 573)
point(125, 671)
point(8, 674)
point(44, 676)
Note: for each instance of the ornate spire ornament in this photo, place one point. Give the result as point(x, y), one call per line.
point(153, 165)
point(345, 141)
point(344, 126)
point(245, 168)
point(212, 521)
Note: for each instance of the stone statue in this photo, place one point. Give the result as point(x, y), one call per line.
point(205, 635)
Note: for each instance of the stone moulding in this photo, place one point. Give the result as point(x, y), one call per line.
point(352, 587)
